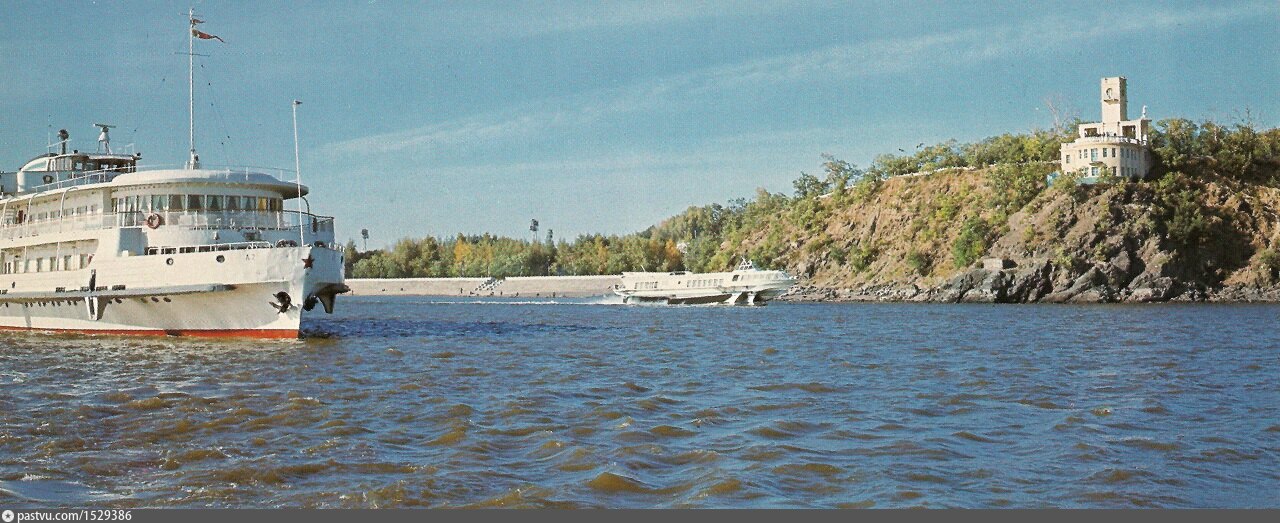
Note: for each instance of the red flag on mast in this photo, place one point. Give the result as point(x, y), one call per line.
point(206, 36)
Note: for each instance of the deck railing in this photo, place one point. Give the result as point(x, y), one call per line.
point(234, 220)
point(106, 175)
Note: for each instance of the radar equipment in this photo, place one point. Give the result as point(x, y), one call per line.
point(104, 139)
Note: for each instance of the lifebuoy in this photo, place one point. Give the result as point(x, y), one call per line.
point(154, 220)
point(48, 178)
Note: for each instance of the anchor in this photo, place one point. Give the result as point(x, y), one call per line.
point(285, 302)
point(94, 305)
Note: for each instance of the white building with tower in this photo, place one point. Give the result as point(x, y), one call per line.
point(1116, 143)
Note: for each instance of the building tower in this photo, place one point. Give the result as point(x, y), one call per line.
point(1116, 144)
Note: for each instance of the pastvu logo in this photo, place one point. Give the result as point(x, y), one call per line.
point(7, 516)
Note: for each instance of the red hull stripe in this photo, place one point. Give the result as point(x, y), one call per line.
point(198, 333)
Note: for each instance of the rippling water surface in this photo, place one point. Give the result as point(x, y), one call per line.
point(430, 402)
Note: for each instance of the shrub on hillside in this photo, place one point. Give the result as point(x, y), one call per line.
point(971, 243)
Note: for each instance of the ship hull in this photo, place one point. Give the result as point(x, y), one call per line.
point(250, 294)
point(754, 295)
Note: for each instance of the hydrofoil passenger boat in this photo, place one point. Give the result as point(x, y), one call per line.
point(745, 285)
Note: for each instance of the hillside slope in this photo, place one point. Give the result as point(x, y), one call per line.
point(923, 238)
point(1202, 227)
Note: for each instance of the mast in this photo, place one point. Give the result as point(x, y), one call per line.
point(297, 175)
point(194, 161)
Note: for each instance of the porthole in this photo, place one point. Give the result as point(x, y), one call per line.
point(168, 261)
point(166, 299)
point(155, 299)
point(221, 258)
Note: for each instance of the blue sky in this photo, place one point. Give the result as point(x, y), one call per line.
point(434, 118)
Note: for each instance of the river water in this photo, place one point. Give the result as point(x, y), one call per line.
point(416, 401)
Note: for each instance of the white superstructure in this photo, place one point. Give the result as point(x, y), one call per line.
point(89, 242)
point(744, 285)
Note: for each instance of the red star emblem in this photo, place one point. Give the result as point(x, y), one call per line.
point(306, 262)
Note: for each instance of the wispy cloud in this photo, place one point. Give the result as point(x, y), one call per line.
point(563, 17)
point(850, 61)
point(731, 152)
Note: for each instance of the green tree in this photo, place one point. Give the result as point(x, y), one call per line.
point(971, 243)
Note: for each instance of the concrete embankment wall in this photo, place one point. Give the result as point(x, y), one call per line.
point(539, 286)
point(570, 286)
point(415, 286)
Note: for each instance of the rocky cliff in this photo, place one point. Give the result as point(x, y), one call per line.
point(966, 236)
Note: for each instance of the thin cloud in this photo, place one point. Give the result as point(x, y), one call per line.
point(864, 59)
point(561, 18)
point(749, 151)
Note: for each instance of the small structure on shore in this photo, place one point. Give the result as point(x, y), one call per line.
point(1116, 144)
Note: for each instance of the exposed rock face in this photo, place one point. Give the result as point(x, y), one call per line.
point(1101, 244)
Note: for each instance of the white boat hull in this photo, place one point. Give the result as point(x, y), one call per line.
point(242, 297)
point(744, 286)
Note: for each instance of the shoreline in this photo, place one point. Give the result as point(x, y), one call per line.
point(513, 287)
point(591, 286)
point(888, 293)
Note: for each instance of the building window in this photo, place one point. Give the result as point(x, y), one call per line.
point(1093, 154)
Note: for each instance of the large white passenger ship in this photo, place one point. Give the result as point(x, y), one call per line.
point(91, 242)
point(745, 285)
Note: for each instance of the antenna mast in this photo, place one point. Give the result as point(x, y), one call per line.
point(194, 161)
point(297, 174)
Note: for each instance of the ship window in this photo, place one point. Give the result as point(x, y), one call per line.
point(262, 204)
point(735, 277)
point(175, 202)
point(195, 202)
point(158, 202)
point(84, 260)
point(215, 202)
point(233, 203)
